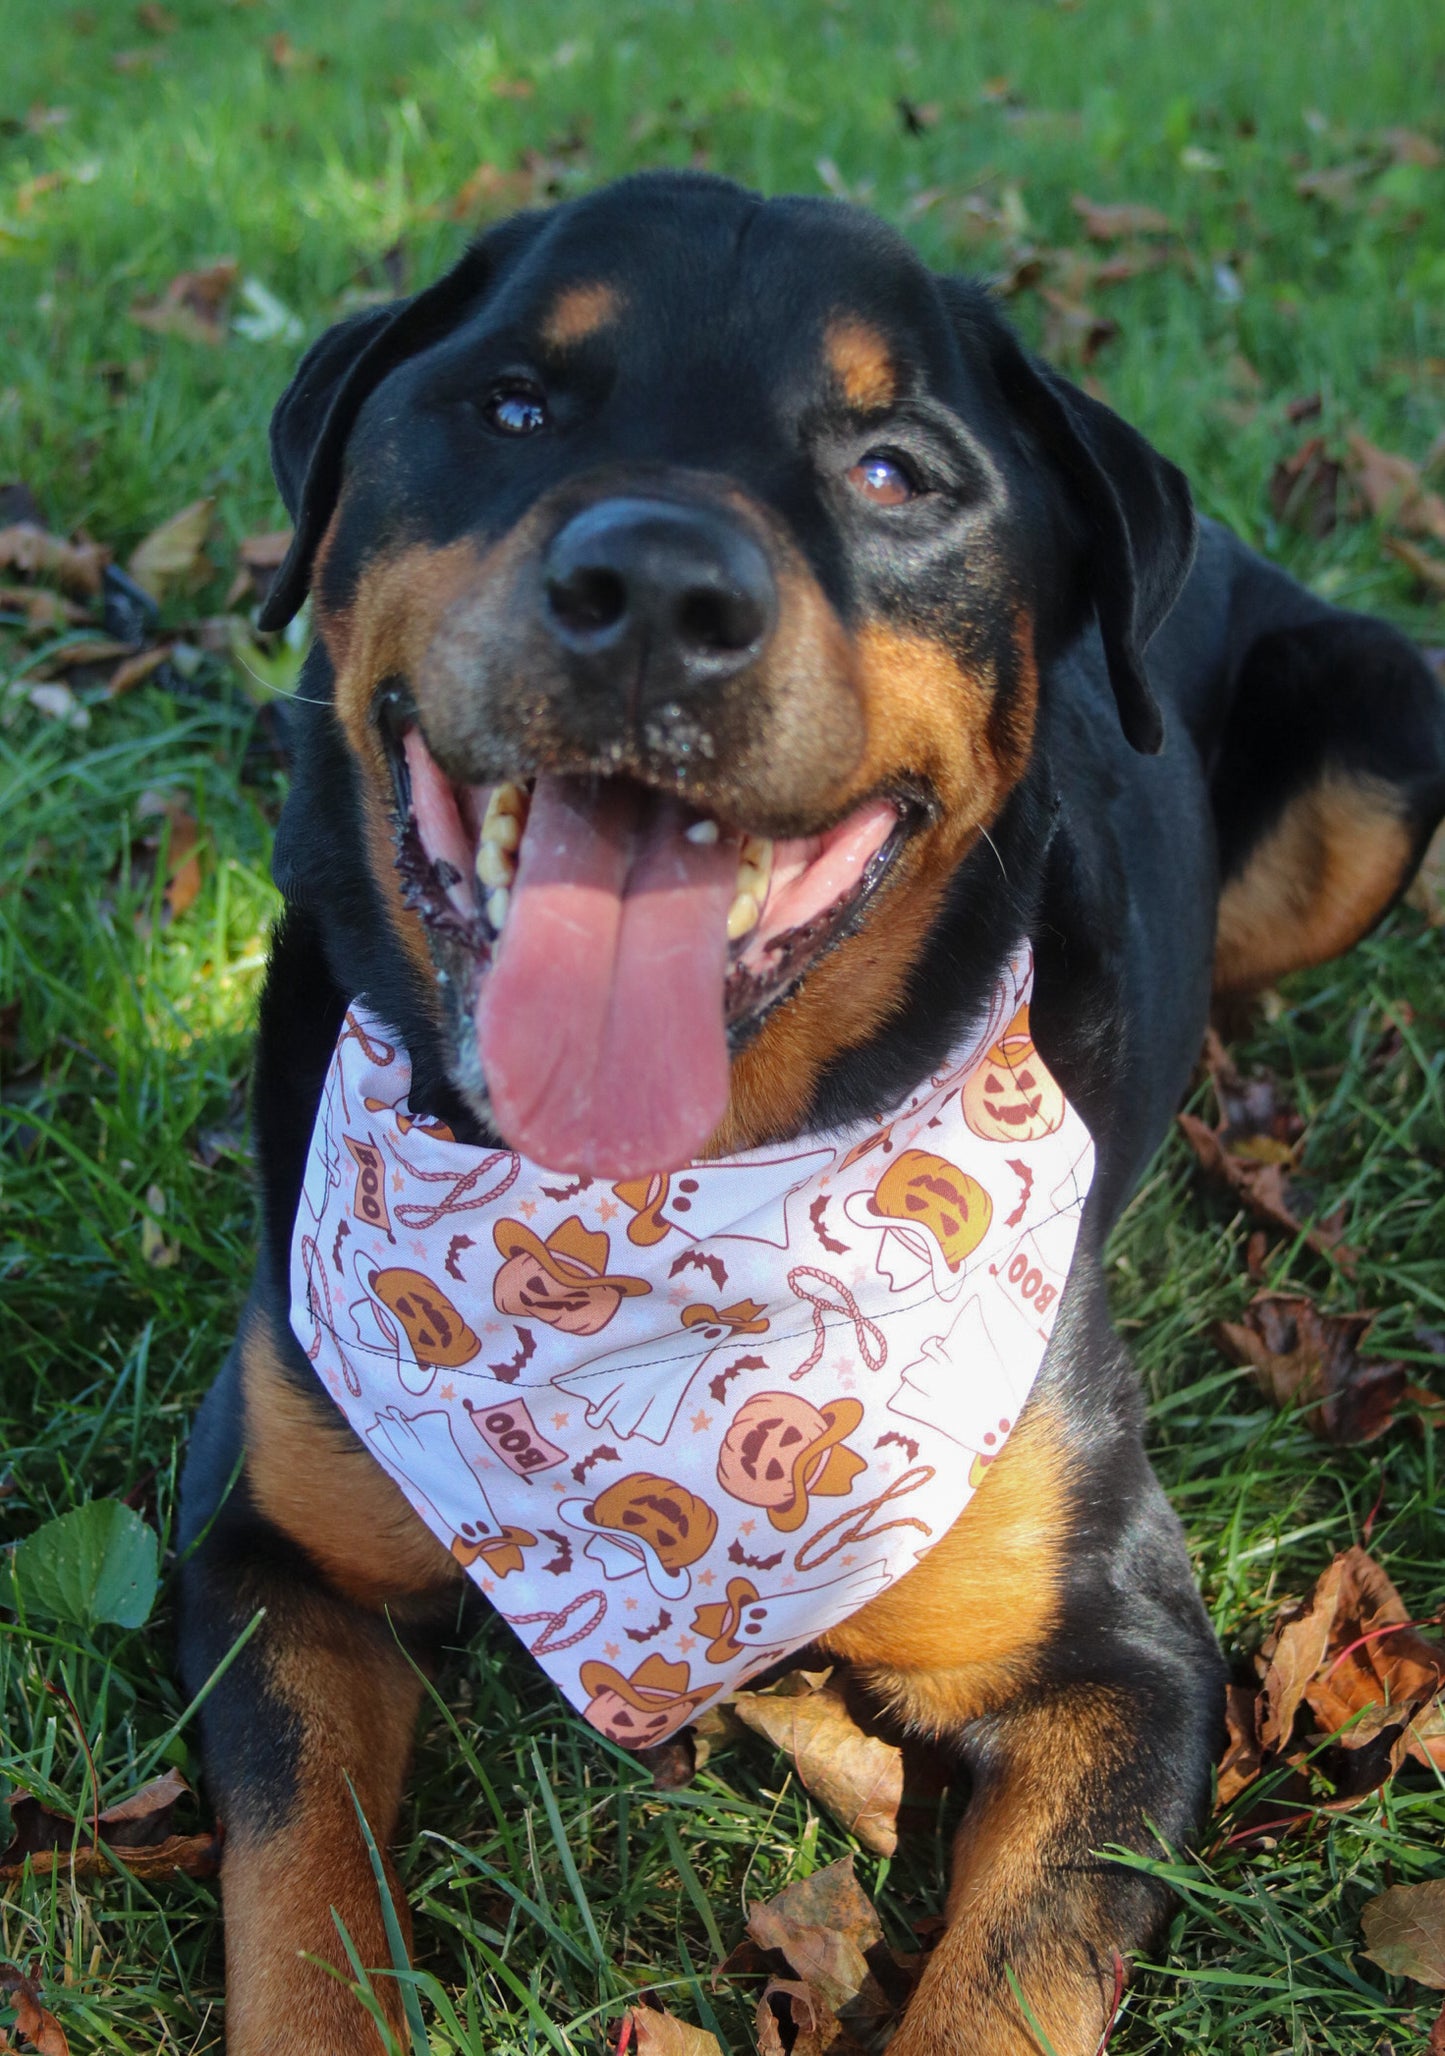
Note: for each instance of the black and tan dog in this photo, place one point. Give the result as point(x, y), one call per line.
point(692, 506)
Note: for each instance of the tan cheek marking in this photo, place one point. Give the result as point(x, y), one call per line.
point(958, 1634)
point(1321, 877)
point(861, 362)
point(580, 312)
point(925, 714)
point(312, 1479)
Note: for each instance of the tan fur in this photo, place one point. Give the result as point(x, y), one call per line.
point(355, 1710)
point(312, 1478)
point(1005, 1907)
point(580, 311)
point(862, 363)
point(1322, 876)
point(990, 1586)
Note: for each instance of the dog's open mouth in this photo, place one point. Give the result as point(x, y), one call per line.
point(621, 942)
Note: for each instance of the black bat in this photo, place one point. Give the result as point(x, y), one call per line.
point(659, 1627)
point(603, 1453)
point(697, 1260)
point(815, 1214)
point(510, 1371)
point(718, 1386)
point(343, 1230)
point(1027, 1176)
point(562, 1562)
point(567, 1191)
point(737, 1554)
point(454, 1249)
point(905, 1442)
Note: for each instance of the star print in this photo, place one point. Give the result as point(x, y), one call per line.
point(700, 1422)
point(846, 1560)
point(686, 1642)
point(560, 1420)
point(706, 1578)
point(789, 1582)
point(632, 1606)
point(398, 1183)
point(606, 1210)
point(858, 1274)
point(527, 1207)
point(447, 1392)
point(746, 1527)
point(611, 1650)
point(333, 1381)
point(491, 1327)
point(418, 1247)
point(488, 1585)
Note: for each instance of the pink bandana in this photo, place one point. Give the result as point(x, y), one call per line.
point(679, 1426)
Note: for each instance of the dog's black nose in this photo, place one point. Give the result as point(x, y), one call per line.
point(657, 595)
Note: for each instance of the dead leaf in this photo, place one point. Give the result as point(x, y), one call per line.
point(84, 650)
point(1263, 1188)
point(1308, 490)
point(663, 2034)
point(1430, 571)
point(491, 192)
point(1107, 224)
point(858, 1777)
point(815, 2029)
point(32, 2020)
point(157, 19)
point(1393, 489)
point(1408, 146)
point(137, 1828)
point(1240, 1764)
point(825, 1926)
point(76, 567)
point(1074, 333)
point(1405, 1930)
point(136, 669)
point(1336, 184)
point(193, 305)
point(1436, 2044)
point(1303, 1357)
point(172, 557)
point(44, 611)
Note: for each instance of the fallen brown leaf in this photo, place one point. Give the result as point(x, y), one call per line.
point(857, 1776)
point(157, 19)
point(1308, 489)
point(1408, 146)
point(137, 1829)
point(32, 2020)
point(89, 649)
point(135, 670)
point(1405, 1930)
point(825, 1927)
point(76, 567)
point(1338, 184)
point(1428, 570)
point(44, 611)
point(814, 2028)
point(1263, 1188)
point(1303, 1357)
point(1381, 1671)
point(663, 2034)
point(172, 557)
point(193, 305)
point(1107, 224)
point(1393, 489)
point(1241, 1762)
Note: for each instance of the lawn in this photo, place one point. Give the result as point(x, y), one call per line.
point(336, 153)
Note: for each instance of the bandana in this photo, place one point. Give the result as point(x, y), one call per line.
point(679, 1426)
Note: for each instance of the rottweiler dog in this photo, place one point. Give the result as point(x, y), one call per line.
point(715, 539)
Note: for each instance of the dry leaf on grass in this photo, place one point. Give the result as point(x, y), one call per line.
point(137, 1829)
point(1302, 1357)
point(813, 2028)
point(193, 305)
point(1241, 1762)
point(857, 1776)
point(1263, 1188)
point(76, 567)
point(1405, 1930)
point(663, 2034)
point(1308, 490)
point(33, 2020)
point(1108, 224)
point(1393, 489)
point(1408, 146)
point(135, 670)
point(828, 1933)
point(1430, 571)
point(172, 557)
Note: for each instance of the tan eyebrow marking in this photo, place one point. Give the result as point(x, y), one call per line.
point(860, 360)
point(579, 312)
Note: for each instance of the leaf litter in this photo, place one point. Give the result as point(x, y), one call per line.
point(33, 2020)
point(137, 1831)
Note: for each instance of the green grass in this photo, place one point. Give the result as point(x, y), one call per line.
point(329, 176)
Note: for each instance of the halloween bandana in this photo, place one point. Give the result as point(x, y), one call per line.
point(679, 1426)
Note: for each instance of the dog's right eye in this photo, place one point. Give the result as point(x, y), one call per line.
point(515, 409)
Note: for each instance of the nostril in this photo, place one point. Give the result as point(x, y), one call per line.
point(588, 600)
point(716, 622)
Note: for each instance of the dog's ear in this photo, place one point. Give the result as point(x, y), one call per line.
point(1130, 509)
point(318, 410)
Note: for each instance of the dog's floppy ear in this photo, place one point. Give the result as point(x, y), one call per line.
point(1131, 508)
point(318, 410)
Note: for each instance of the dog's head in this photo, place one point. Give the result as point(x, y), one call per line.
point(686, 567)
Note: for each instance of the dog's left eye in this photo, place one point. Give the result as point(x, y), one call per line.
point(515, 410)
point(882, 480)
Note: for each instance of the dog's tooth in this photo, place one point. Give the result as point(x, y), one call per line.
point(510, 799)
point(498, 903)
point(495, 865)
point(758, 851)
point(742, 916)
point(505, 830)
point(702, 831)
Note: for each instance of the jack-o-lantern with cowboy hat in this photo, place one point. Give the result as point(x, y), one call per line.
point(563, 1281)
point(639, 1710)
point(780, 1449)
point(1011, 1096)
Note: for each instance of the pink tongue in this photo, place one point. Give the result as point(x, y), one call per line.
point(600, 1023)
